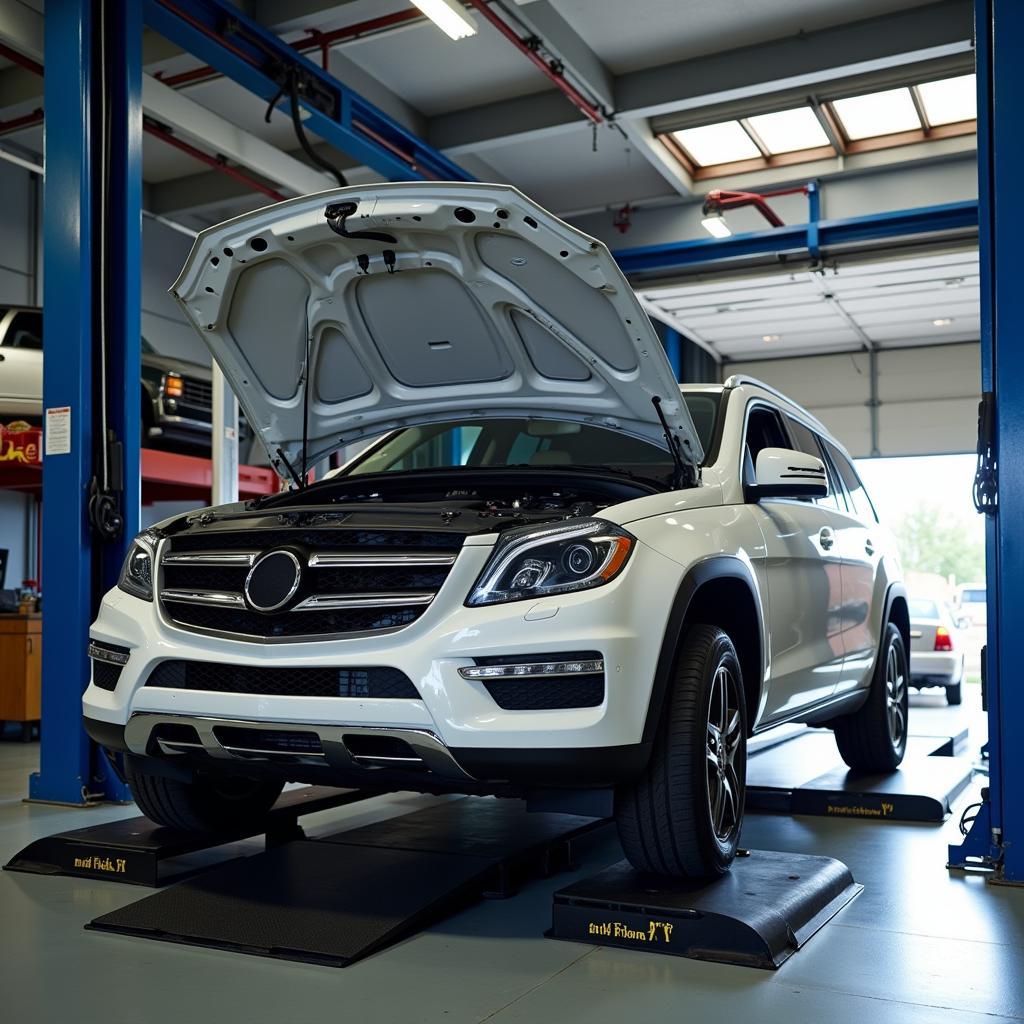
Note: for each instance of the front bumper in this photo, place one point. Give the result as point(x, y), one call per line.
point(624, 620)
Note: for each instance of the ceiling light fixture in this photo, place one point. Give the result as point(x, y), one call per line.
point(769, 337)
point(716, 226)
point(449, 16)
point(942, 321)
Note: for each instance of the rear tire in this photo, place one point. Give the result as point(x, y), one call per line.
point(874, 738)
point(682, 817)
point(224, 806)
point(954, 694)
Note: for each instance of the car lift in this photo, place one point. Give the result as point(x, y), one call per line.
point(342, 896)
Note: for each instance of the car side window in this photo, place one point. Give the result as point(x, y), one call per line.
point(764, 430)
point(25, 331)
point(806, 441)
point(856, 490)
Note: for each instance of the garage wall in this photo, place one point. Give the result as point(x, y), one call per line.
point(928, 397)
point(164, 251)
point(877, 191)
point(17, 255)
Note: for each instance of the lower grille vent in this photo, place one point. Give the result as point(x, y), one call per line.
point(378, 683)
point(551, 694)
point(279, 741)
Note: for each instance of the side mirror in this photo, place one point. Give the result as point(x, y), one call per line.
point(783, 473)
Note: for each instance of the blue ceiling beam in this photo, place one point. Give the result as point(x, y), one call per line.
point(221, 35)
point(799, 238)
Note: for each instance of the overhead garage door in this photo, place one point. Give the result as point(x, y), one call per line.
point(808, 332)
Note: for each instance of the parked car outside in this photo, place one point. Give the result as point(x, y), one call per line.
point(176, 394)
point(553, 572)
point(971, 600)
point(937, 654)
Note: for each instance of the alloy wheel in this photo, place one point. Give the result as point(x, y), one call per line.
point(895, 696)
point(724, 739)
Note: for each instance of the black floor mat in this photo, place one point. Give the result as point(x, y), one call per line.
point(321, 903)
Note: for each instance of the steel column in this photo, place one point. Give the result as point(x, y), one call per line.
point(77, 566)
point(224, 441)
point(998, 832)
point(674, 351)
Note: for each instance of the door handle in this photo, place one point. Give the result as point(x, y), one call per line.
point(869, 547)
point(826, 538)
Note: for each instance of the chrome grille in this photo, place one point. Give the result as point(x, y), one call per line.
point(348, 585)
point(197, 392)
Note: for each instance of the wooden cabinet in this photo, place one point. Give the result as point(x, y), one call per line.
point(20, 667)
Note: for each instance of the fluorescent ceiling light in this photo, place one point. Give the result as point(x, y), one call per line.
point(769, 337)
point(720, 143)
point(449, 16)
point(787, 131)
point(949, 100)
point(942, 321)
point(877, 113)
point(716, 226)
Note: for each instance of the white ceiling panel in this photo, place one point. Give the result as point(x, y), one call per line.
point(881, 302)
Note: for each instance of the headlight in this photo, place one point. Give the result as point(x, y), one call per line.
point(540, 561)
point(137, 572)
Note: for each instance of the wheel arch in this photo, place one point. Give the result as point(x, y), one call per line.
point(897, 611)
point(718, 591)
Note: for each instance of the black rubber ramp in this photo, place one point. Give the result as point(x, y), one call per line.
point(321, 903)
point(757, 915)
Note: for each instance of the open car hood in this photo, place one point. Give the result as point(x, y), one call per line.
point(423, 302)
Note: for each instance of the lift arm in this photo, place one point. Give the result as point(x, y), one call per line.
point(219, 33)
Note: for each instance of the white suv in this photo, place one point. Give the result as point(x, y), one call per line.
point(550, 571)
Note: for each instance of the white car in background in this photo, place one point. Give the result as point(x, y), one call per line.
point(971, 601)
point(936, 648)
point(551, 573)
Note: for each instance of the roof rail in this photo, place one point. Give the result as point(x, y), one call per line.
point(738, 379)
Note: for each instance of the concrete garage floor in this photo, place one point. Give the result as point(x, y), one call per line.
point(920, 944)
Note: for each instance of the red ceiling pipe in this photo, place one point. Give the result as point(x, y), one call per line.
point(217, 163)
point(20, 59)
point(16, 124)
point(720, 199)
point(574, 95)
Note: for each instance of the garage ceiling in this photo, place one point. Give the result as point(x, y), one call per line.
point(882, 303)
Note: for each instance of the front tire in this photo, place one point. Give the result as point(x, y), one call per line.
point(874, 738)
point(212, 806)
point(682, 817)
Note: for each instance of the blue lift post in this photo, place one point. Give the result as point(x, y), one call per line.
point(224, 37)
point(75, 565)
point(996, 837)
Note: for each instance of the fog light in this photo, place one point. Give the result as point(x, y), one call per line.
point(534, 669)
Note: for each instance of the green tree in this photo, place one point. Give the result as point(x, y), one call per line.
point(930, 540)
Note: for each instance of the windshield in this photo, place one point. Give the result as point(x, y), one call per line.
point(527, 442)
point(920, 609)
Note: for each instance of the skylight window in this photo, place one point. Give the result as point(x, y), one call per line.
point(720, 143)
point(877, 113)
point(787, 131)
point(949, 100)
